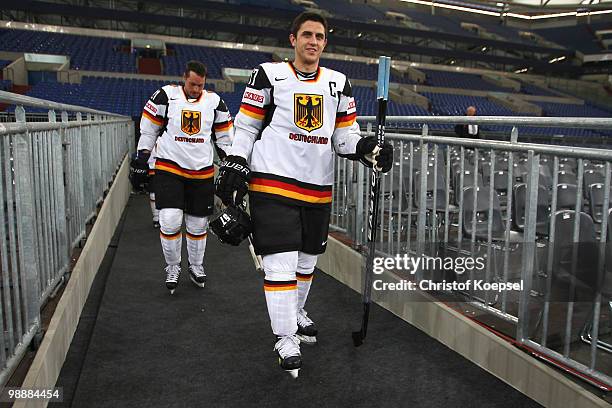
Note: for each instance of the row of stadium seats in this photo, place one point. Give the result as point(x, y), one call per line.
point(123, 96)
point(272, 4)
point(442, 23)
point(508, 33)
point(460, 80)
point(96, 53)
point(481, 205)
point(85, 52)
point(218, 58)
point(451, 105)
point(455, 105)
point(571, 110)
point(103, 54)
point(215, 59)
point(579, 37)
point(461, 187)
point(127, 96)
point(5, 85)
point(353, 11)
point(535, 90)
point(359, 70)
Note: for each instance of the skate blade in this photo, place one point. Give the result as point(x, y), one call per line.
point(195, 282)
point(308, 340)
point(294, 373)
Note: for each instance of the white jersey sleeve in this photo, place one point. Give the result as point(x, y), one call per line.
point(223, 129)
point(346, 133)
point(251, 117)
point(152, 120)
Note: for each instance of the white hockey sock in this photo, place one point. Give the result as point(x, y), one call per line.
point(154, 210)
point(305, 273)
point(280, 288)
point(170, 220)
point(196, 238)
point(303, 284)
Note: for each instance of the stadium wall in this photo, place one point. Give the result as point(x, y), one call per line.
point(47, 364)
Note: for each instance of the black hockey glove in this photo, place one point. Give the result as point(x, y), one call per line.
point(234, 176)
point(139, 170)
point(369, 153)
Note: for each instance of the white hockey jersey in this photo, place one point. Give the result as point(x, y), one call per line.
point(187, 131)
point(288, 128)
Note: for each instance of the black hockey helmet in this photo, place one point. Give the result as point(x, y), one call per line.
point(232, 225)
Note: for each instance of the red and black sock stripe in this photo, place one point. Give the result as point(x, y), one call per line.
point(196, 237)
point(275, 286)
point(304, 277)
point(174, 236)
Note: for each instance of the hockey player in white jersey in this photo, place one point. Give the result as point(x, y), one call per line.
point(293, 117)
point(184, 123)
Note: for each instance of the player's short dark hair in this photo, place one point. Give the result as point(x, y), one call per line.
point(307, 16)
point(197, 67)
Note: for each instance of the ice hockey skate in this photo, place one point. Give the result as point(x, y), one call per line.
point(172, 276)
point(197, 275)
point(289, 357)
point(307, 330)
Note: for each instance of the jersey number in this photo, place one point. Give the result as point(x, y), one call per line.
point(253, 76)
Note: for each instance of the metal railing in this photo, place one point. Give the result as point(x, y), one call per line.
point(536, 215)
point(53, 174)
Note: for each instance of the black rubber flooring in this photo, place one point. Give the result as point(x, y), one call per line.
point(139, 346)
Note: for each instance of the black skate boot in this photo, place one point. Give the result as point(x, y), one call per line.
point(289, 357)
point(197, 275)
point(172, 276)
point(307, 330)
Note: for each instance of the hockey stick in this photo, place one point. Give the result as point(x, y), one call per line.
point(257, 260)
point(384, 66)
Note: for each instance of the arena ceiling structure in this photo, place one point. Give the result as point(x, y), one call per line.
point(527, 9)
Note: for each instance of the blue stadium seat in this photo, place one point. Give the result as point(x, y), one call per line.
point(5, 85)
point(215, 59)
point(86, 53)
point(351, 10)
point(272, 4)
point(460, 80)
point(580, 37)
point(535, 90)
